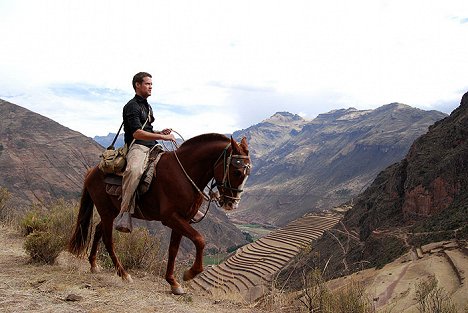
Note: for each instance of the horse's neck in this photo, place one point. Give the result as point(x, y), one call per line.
point(199, 161)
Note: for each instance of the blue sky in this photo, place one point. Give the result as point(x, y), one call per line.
point(219, 66)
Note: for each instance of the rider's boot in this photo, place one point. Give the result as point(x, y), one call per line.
point(123, 222)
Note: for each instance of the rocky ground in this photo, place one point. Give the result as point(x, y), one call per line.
point(394, 286)
point(68, 286)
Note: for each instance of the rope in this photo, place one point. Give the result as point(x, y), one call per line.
point(206, 197)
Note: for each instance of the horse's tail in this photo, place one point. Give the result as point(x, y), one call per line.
point(80, 236)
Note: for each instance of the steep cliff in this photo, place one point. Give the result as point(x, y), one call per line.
point(421, 199)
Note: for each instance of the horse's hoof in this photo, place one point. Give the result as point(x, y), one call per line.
point(94, 269)
point(177, 290)
point(187, 275)
point(127, 278)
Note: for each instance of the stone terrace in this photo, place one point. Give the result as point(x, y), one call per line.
point(250, 270)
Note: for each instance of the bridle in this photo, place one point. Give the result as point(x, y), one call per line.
point(235, 160)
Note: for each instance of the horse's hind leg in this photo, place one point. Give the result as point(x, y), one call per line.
point(93, 253)
point(108, 242)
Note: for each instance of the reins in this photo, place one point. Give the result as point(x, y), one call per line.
point(203, 194)
point(227, 159)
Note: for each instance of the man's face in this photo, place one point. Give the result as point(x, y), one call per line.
point(143, 89)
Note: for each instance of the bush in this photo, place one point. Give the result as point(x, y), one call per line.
point(47, 230)
point(6, 213)
point(432, 299)
point(34, 221)
point(137, 250)
point(316, 296)
point(43, 246)
point(352, 299)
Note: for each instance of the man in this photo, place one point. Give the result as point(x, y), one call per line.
point(137, 116)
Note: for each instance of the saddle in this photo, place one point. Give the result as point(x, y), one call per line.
point(114, 181)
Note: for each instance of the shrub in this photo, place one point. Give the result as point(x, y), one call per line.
point(432, 299)
point(137, 250)
point(34, 221)
point(6, 212)
point(352, 299)
point(317, 297)
point(43, 246)
point(47, 230)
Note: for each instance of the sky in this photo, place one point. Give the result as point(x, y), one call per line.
point(221, 66)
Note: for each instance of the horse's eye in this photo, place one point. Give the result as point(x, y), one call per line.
point(238, 173)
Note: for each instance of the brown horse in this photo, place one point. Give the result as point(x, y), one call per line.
point(173, 198)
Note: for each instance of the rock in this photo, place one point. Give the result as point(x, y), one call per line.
point(72, 297)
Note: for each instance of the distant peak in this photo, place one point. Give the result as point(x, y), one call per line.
point(285, 116)
point(341, 111)
point(396, 105)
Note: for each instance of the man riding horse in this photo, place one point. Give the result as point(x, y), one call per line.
point(140, 138)
point(174, 198)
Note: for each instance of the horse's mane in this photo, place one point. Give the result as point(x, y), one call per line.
point(204, 138)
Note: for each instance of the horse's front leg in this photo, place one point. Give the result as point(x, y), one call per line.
point(173, 249)
point(183, 227)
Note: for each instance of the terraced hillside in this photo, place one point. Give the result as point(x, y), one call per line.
point(394, 286)
point(249, 271)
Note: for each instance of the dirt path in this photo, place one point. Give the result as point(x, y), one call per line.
point(385, 296)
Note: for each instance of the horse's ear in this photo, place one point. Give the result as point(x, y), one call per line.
point(235, 146)
point(244, 145)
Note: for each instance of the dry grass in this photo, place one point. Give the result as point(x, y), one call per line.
point(29, 287)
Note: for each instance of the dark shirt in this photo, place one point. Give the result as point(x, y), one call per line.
point(134, 114)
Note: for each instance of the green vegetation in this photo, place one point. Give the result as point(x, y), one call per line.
point(137, 250)
point(448, 224)
point(47, 230)
point(254, 231)
point(214, 259)
point(5, 211)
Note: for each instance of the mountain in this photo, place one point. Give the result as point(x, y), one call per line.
point(105, 141)
point(302, 166)
point(271, 133)
point(40, 159)
point(421, 199)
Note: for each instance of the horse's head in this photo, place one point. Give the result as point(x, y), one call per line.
point(231, 172)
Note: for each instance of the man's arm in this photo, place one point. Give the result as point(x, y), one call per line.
point(141, 134)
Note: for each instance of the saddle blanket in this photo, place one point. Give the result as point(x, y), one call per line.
point(114, 182)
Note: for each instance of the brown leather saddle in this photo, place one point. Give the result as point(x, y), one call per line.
point(114, 181)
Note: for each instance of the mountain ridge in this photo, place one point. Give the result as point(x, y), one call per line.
point(317, 164)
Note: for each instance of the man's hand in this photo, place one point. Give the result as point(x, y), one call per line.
point(170, 137)
point(166, 131)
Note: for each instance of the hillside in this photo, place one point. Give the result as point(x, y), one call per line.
point(421, 199)
point(41, 160)
point(304, 166)
point(250, 271)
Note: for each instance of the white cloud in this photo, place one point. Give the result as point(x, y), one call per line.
point(233, 62)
